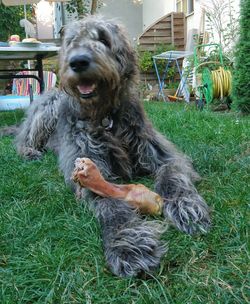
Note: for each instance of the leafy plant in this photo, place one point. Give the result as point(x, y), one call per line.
point(83, 7)
point(9, 20)
point(76, 7)
point(211, 55)
point(146, 63)
point(222, 24)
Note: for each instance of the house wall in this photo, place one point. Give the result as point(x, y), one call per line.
point(155, 9)
point(137, 18)
point(194, 19)
point(124, 11)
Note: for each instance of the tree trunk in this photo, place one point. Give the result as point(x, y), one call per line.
point(93, 7)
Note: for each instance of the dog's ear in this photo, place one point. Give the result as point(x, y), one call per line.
point(62, 32)
point(124, 52)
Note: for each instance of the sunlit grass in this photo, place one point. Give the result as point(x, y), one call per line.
point(50, 245)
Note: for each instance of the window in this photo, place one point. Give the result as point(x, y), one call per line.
point(185, 6)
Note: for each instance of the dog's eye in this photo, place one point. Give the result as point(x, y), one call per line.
point(105, 42)
point(104, 38)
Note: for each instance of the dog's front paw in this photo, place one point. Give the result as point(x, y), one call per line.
point(134, 250)
point(188, 213)
point(30, 153)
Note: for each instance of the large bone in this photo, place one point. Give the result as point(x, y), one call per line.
point(87, 175)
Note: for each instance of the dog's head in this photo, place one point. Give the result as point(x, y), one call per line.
point(96, 59)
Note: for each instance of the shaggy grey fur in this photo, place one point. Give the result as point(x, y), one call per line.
point(96, 113)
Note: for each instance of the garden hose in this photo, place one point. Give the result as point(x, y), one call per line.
point(216, 84)
point(222, 83)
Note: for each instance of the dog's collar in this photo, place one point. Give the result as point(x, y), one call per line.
point(107, 123)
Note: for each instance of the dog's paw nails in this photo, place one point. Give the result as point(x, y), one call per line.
point(32, 154)
point(79, 163)
point(189, 214)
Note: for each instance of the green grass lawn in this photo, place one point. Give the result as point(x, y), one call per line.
point(50, 245)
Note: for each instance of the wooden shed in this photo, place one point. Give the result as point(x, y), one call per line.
point(168, 30)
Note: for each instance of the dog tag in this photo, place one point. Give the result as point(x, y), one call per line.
point(107, 123)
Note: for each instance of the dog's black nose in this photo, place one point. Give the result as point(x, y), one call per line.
point(80, 63)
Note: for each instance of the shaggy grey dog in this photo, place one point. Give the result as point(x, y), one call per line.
point(96, 113)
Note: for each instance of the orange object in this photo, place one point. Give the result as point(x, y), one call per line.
point(175, 97)
point(172, 98)
point(87, 175)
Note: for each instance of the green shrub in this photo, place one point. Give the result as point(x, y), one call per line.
point(146, 63)
point(241, 92)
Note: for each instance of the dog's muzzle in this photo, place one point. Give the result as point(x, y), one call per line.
point(80, 65)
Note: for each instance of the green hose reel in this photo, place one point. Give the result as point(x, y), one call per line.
point(207, 84)
point(205, 62)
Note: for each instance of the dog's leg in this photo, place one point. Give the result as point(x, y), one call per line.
point(183, 206)
point(38, 126)
point(132, 246)
point(174, 176)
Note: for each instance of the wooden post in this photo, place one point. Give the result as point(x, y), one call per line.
point(172, 28)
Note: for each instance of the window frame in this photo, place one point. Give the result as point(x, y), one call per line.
point(188, 6)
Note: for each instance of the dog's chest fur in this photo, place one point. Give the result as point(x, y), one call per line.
point(111, 139)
